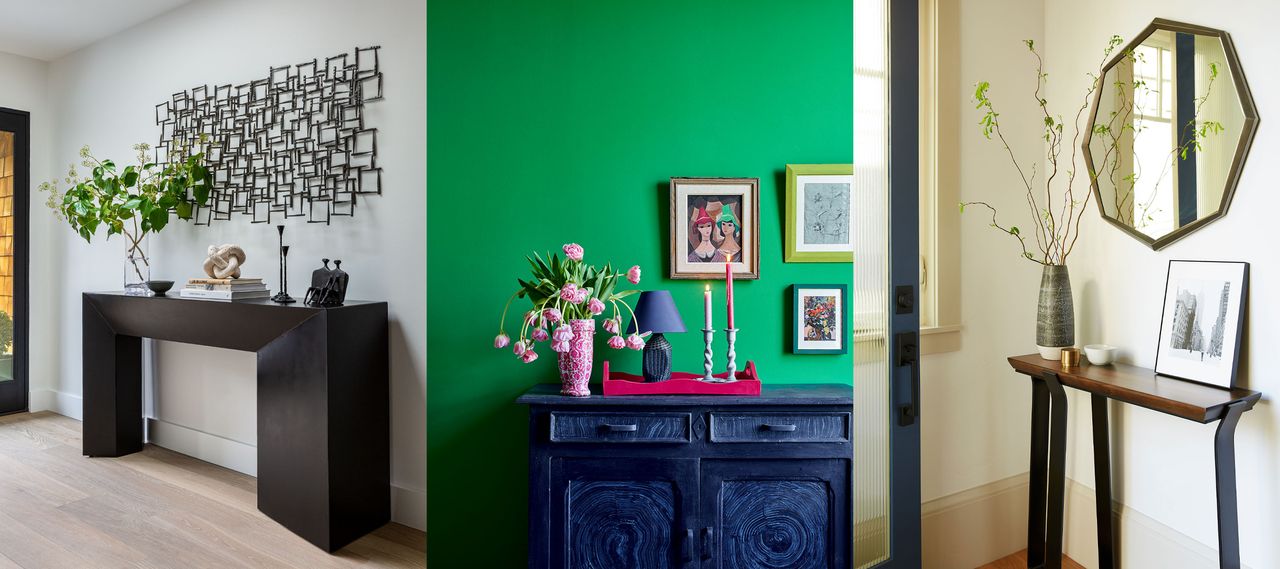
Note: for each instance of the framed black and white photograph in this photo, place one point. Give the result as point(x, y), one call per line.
point(821, 319)
point(1203, 319)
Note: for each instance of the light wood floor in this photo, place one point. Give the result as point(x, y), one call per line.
point(1019, 561)
point(155, 509)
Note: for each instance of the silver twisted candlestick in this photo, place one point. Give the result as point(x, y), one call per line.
point(707, 334)
point(732, 334)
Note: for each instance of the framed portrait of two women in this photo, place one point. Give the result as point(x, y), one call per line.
point(715, 221)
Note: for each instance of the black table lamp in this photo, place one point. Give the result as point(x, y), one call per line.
point(656, 312)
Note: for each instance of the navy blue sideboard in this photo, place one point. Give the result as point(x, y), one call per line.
point(691, 482)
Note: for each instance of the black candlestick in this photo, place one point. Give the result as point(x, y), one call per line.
point(283, 297)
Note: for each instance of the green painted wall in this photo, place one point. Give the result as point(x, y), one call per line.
point(555, 121)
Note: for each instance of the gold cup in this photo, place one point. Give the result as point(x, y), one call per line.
point(1070, 357)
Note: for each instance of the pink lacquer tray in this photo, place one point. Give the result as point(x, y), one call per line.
point(681, 383)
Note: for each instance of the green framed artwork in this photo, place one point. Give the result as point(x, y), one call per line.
point(819, 213)
point(821, 319)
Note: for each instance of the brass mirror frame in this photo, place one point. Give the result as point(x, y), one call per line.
point(1242, 148)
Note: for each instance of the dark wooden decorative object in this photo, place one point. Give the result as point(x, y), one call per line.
point(324, 455)
point(633, 482)
point(1126, 384)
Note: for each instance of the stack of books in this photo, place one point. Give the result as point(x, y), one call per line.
point(225, 289)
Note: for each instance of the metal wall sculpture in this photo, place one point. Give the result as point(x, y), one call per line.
point(292, 144)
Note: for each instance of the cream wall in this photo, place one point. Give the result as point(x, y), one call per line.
point(1163, 466)
point(974, 431)
point(203, 399)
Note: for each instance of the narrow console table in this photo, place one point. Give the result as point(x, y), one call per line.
point(323, 399)
point(691, 482)
point(1136, 386)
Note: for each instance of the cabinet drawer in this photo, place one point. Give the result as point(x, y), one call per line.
point(780, 427)
point(620, 427)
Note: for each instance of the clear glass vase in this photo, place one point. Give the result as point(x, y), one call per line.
point(137, 269)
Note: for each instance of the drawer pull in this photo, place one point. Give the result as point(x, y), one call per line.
point(780, 428)
point(620, 428)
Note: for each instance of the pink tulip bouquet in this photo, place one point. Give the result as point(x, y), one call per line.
point(567, 295)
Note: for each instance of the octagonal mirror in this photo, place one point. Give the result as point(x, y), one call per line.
point(1172, 122)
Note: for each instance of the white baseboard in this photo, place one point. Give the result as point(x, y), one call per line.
point(59, 402)
point(977, 526)
point(236, 455)
point(1144, 542)
point(409, 506)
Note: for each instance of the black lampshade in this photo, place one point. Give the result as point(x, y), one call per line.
point(656, 312)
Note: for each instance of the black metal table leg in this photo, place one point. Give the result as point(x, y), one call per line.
point(1039, 472)
point(1057, 472)
point(1102, 481)
point(1224, 453)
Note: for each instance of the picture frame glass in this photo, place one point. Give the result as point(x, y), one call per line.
point(823, 214)
point(714, 222)
point(820, 319)
point(1201, 325)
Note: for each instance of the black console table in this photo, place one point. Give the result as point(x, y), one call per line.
point(691, 481)
point(1135, 386)
point(323, 399)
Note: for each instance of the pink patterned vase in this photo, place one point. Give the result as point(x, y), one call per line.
point(575, 364)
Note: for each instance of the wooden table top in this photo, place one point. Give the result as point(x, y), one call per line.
point(1142, 387)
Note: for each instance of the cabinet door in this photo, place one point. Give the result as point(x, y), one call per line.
point(622, 513)
point(764, 514)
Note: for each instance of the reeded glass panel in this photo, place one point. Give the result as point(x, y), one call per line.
point(870, 269)
point(6, 254)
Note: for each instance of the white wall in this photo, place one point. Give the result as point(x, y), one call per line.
point(1163, 466)
point(105, 95)
point(24, 87)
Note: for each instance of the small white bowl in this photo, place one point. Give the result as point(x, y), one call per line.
point(1100, 354)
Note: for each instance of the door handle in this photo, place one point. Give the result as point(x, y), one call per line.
point(688, 545)
point(907, 349)
point(780, 428)
point(620, 428)
point(707, 535)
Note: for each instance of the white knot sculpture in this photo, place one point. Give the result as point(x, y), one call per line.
point(224, 261)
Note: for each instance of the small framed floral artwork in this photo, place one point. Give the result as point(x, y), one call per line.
point(821, 319)
point(714, 222)
point(819, 213)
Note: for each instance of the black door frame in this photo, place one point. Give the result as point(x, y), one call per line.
point(15, 395)
point(904, 274)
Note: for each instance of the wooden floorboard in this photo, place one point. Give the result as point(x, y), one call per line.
point(152, 509)
point(1019, 561)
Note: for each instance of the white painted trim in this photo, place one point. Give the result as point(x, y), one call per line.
point(409, 506)
point(979, 525)
point(1144, 543)
point(236, 455)
point(59, 402)
point(976, 526)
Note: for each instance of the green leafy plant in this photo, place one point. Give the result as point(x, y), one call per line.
point(6, 332)
point(1056, 211)
point(131, 201)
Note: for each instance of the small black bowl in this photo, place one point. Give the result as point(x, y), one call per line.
point(159, 287)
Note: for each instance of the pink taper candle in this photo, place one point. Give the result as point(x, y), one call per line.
point(728, 287)
point(706, 303)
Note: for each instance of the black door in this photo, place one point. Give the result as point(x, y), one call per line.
point(623, 513)
point(776, 513)
point(15, 190)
